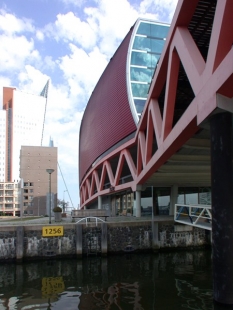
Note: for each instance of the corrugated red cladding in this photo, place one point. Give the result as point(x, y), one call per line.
point(107, 118)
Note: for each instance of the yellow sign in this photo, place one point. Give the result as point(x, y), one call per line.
point(52, 286)
point(52, 231)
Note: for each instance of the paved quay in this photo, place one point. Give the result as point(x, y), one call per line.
point(16, 221)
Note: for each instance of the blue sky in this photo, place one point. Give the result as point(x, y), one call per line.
point(69, 42)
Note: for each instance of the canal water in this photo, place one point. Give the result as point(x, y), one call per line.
point(169, 281)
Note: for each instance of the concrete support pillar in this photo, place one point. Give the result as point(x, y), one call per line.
point(99, 202)
point(113, 209)
point(19, 243)
point(104, 239)
point(138, 203)
point(121, 203)
point(155, 236)
point(155, 202)
point(173, 198)
point(79, 240)
point(222, 207)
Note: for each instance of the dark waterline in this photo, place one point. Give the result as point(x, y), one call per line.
point(170, 281)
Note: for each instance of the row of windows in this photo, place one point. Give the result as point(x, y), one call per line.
point(28, 204)
point(25, 184)
point(28, 212)
point(28, 190)
point(8, 186)
point(6, 200)
point(7, 193)
point(28, 197)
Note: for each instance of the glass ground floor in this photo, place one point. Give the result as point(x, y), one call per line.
point(159, 199)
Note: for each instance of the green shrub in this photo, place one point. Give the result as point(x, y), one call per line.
point(57, 209)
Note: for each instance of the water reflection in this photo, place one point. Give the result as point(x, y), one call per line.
point(140, 282)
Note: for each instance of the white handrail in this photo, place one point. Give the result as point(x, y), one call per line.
point(90, 217)
point(194, 215)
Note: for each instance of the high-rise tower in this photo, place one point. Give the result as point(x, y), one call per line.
point(24, 118)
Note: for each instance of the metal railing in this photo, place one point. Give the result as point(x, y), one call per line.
point(88, 219)
point(194, 215)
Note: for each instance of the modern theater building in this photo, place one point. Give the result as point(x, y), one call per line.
point(111, 120)
point(115, 107)
point(177, 147)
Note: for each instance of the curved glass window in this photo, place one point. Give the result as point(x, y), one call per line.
point(152, 29)
point(139, 104)
point(141, 74)
point(146, 47)
point(144, 59)
point(140, 90)
point(146, 44)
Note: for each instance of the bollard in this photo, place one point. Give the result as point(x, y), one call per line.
point(19, 243)
point(155, 236)
point(104, 239)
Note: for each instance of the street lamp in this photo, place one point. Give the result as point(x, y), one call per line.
point(50, 171)
point(64, 200)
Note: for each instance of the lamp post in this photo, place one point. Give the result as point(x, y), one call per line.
point(50, 171)
point(64, 200)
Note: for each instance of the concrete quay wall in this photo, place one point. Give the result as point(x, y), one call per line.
point(18, 243)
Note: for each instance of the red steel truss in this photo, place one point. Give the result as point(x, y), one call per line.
point(207, 79)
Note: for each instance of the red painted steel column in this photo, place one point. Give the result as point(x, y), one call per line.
point(222, 207)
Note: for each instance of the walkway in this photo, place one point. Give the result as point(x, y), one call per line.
point(45, 220)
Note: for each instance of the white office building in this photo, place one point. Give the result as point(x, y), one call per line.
point(24, 124)
point(21, 124)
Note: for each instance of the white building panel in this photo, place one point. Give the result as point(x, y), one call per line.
point(27, 118)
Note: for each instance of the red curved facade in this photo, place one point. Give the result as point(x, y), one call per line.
point(107, 118)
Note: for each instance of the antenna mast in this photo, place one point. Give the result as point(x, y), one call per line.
point(44, 94)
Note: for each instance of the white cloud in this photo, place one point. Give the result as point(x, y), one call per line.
point(32, 80)
point(49, 63)
point(15, 51)
point(163, 10)
point(82, 70)
point(10, 24)
point(77, 3)
point(112, 20)
point(70, 28)
point(39, 35)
